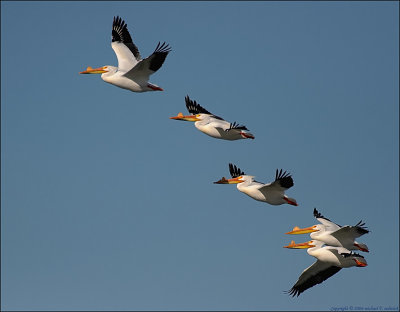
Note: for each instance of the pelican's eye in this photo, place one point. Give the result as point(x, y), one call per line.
point(198, 115)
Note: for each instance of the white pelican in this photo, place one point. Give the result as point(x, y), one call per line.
point(272, 193)
point(212, 125)
point(330, 260)
point(333, 234)
point(132, 72)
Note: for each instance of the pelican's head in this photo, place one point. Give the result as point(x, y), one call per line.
point(361, 246)
point(100, 70)
point(309, 244)
point(297, 230)
point(236, 180)
point(197, 117)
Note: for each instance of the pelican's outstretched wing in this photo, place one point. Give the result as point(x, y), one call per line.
point(329, 225)
point(151, 64)
point(121, 42)
point(313, 275)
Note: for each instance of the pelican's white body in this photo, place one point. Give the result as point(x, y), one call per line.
point(333, 235)
point(219, 129)
point(330, 260)
point(271, 193)
point(329, 239)
point(331, 255)
point(117, 78)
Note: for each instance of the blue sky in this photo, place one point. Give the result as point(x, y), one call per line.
point(107, 204)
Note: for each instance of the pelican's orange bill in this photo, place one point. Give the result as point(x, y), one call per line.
point(293, 245)
point(228, 181)
point(297, 230)
point(180, 116)
point(91, 70)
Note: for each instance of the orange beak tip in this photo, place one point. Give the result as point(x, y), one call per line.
point(177, 116)
point(221, 181)
point(85, 71)
point(292, 243)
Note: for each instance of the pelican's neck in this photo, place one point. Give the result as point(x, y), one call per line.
point(321, 230)
point(248, 180)
point(204, 120)
point(111, 70)
point(314, 251)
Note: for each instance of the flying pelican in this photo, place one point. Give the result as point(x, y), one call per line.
point(333, 234)
point(272, 193)
point(212, 125)
point(330, 260)
point(132, 72)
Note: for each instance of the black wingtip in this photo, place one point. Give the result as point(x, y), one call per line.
point(235, 171)
point(293, 292)
point(162, 48)
point(284, 178)
point(194, 108)
point(361, 228)
point(317, 214)
point(235, 125)
point(120, 31)
point(188, 101)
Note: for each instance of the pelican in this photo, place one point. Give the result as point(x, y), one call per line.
point(333, 234)
point(212, 125)
point(272, 193)
point(330, 260)
point(132, 72)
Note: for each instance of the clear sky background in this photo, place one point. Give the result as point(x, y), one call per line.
point(107, 204)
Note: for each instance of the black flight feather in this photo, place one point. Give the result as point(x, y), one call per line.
point(235, 171)
point(235, 125)
point(351, 254)
point(321, 276)
point(284, 179)
point(121, 34)
point(194, 108)
point(319, 215)
point(361, 229)
point(158, 56)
